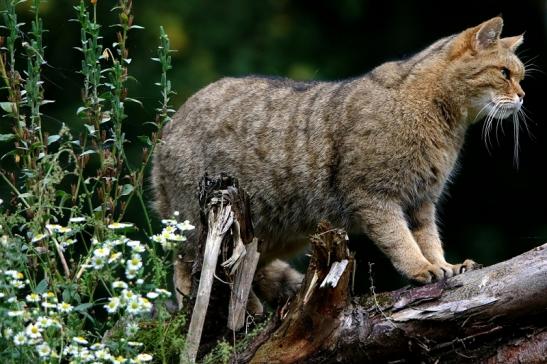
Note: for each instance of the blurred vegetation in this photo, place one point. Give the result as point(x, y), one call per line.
point(492, 211)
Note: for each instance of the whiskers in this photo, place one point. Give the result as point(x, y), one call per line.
point(493, 122)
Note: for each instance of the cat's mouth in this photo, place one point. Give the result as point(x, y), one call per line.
point(502, 109)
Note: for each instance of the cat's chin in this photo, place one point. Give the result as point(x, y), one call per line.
point(502, 112)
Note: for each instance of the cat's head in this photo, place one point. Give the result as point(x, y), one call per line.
point(487, 67)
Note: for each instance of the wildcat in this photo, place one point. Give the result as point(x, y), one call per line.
point(371, 154)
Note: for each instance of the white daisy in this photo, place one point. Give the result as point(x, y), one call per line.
point(112, 305)
point(33, 331)
point(20, 339)
point(33, 297)
point(64, 307)
point(185, 226)
point(77, 219)
point(80, 340)
point(102, 252)
point(120, 225)
point(43, 350)
point(119, 284)
point(143, 358)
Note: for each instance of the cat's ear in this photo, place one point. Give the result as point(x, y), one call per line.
point(512, 42)
point(487, 34)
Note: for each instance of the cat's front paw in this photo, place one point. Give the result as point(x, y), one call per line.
point(429, 273)
point(467, 265)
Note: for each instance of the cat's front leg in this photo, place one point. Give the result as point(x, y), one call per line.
point(386, 225)
point(424, 229)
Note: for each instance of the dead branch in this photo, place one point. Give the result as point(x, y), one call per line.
point(496, 314)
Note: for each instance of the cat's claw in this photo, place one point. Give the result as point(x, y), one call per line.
point(437, 272)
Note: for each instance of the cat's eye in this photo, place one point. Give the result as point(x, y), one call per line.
point(505, 73)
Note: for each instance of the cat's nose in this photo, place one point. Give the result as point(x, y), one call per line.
point(520, 95)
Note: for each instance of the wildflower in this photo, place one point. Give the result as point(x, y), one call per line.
point(55, 228)
point(20, 339)
point(17, 284)
point(102, 252)
point(44, 322)
point(169, 222)
point(163, 292)
point(33, 331)
point(8, 332)
point(152, 295)
point(77, 219)
point(135, 344)
point(134, 307)
point(97, 346)
point(43, 350)
point(98, 262)
point(142, 358)
point(176, 213)
point(129, 295)
point(112, 305)
point(64, 307)
point(38, 237)
point(136, 246)
point(80, 340)
point(119, 284)
point(120, 225)
point(185, 226)
point(48, 305)
point(103, 354)
point(49, 295)
point(135, 262)
point(131, 329)
point(146, 306)
point(66, 243)
point(114, 257)
point(131, 273)
point(139, 281)
point(118, 360)
point(16, 313)
point(33, 297)
point(177, 237)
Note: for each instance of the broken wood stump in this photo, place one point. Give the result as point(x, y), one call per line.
point(226, 230)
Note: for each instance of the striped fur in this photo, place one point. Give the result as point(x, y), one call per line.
point(371, 154)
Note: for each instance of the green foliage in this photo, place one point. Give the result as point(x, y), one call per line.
point(77, 284)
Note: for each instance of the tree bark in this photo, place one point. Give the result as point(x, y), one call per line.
point(497, 314)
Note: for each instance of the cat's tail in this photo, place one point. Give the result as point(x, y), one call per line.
point(276, 282)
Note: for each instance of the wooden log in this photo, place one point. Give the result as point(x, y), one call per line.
point(496, 314)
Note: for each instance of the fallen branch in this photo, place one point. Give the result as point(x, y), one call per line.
point(496, 314)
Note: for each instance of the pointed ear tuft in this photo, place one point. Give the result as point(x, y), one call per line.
point(488, 33)
point(512, 42)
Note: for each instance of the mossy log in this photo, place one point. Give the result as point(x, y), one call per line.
point(497, 314)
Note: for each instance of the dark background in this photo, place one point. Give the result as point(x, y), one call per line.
point(492, 211)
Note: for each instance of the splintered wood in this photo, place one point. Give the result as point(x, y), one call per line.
point(226, 209)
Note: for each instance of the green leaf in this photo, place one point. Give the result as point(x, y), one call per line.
point(83, 307)
point(145, 139)
point(8, 106)
point(127, 189)
point(6, 137)
point(52, 139)
point(41, 287)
